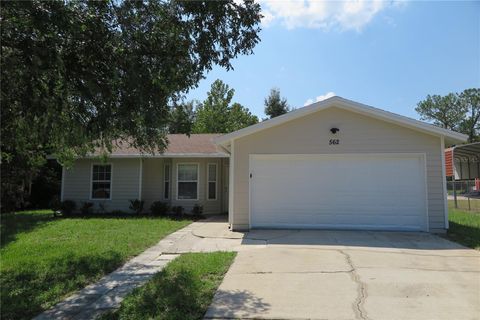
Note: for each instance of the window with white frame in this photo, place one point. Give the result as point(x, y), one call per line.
point(101, 181)
point(212, 181)
point(166, 182)
point(187, 181)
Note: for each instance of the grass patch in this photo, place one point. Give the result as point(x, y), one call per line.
point(183, 290)
point(43, 259)
point(464, 228)
point(463, 204)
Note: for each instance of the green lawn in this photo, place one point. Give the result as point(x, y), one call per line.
point(183, 290)
point(464, 227)
point(43, 259)
point(463, 204)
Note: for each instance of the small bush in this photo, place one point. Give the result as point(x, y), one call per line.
point(55, 204)
point(118, 213)
point(178, 211)
point(68, 206)
point(159, 208)
point(197, 210)
point(86, 208)
point(136, 206)
point(102, 208)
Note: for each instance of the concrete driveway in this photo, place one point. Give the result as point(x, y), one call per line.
point(280, 274)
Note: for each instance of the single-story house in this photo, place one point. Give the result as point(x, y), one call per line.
point(191, 171)
point(334, 164)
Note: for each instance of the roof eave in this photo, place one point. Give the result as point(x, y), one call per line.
point(450, 136)
point(153, 156)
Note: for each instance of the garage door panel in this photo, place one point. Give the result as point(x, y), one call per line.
point(338, 191)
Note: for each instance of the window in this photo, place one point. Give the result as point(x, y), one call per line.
point(166, 182)
point(101, 181)
point(212, 182)
point(187, 182)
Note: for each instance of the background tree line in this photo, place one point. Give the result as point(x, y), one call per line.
point(455, 111)
point(217, 114)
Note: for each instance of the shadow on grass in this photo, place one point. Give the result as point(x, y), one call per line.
point(14, 223)
point(183, 290)
point(27, 291)
point(173, 296)
point(467, 235)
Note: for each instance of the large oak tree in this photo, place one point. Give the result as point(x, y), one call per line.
point(77, 75)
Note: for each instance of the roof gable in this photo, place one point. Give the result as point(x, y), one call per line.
point(451, 137)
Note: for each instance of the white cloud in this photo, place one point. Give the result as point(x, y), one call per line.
point(317, 14)
point(309, 101)
point(320, 98)
point(268, 17)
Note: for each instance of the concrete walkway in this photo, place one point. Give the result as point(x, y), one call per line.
point(107, 294)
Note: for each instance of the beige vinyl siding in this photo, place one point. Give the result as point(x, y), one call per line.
point(358, 134)
point(209, 206)
point(124, 183)
point(153, 183)
point(126, 179)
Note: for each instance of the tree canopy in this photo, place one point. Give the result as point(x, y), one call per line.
point(444, 111)
point(217, 115)
point(240, 117)
point(182, 117)
point(275, 105)
point(108, 69)
point(470, 125)
point(77, 75)
point(455, 111)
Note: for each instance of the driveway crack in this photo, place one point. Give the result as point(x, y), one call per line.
point(361, 289)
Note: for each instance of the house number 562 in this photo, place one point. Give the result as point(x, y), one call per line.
point(334, 141)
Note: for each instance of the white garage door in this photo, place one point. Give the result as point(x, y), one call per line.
point(354, 191)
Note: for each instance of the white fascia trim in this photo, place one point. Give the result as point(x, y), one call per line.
point(401, 120)
point(226, 149)
point(165, 155)
point(348, 105)
point(169, 155)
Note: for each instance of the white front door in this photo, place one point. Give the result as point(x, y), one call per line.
point(352, 191)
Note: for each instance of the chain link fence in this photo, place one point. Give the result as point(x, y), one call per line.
point(464, 194)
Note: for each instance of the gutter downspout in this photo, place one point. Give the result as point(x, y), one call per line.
point(454, 178)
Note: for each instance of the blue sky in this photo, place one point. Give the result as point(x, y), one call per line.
point(385, 54)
